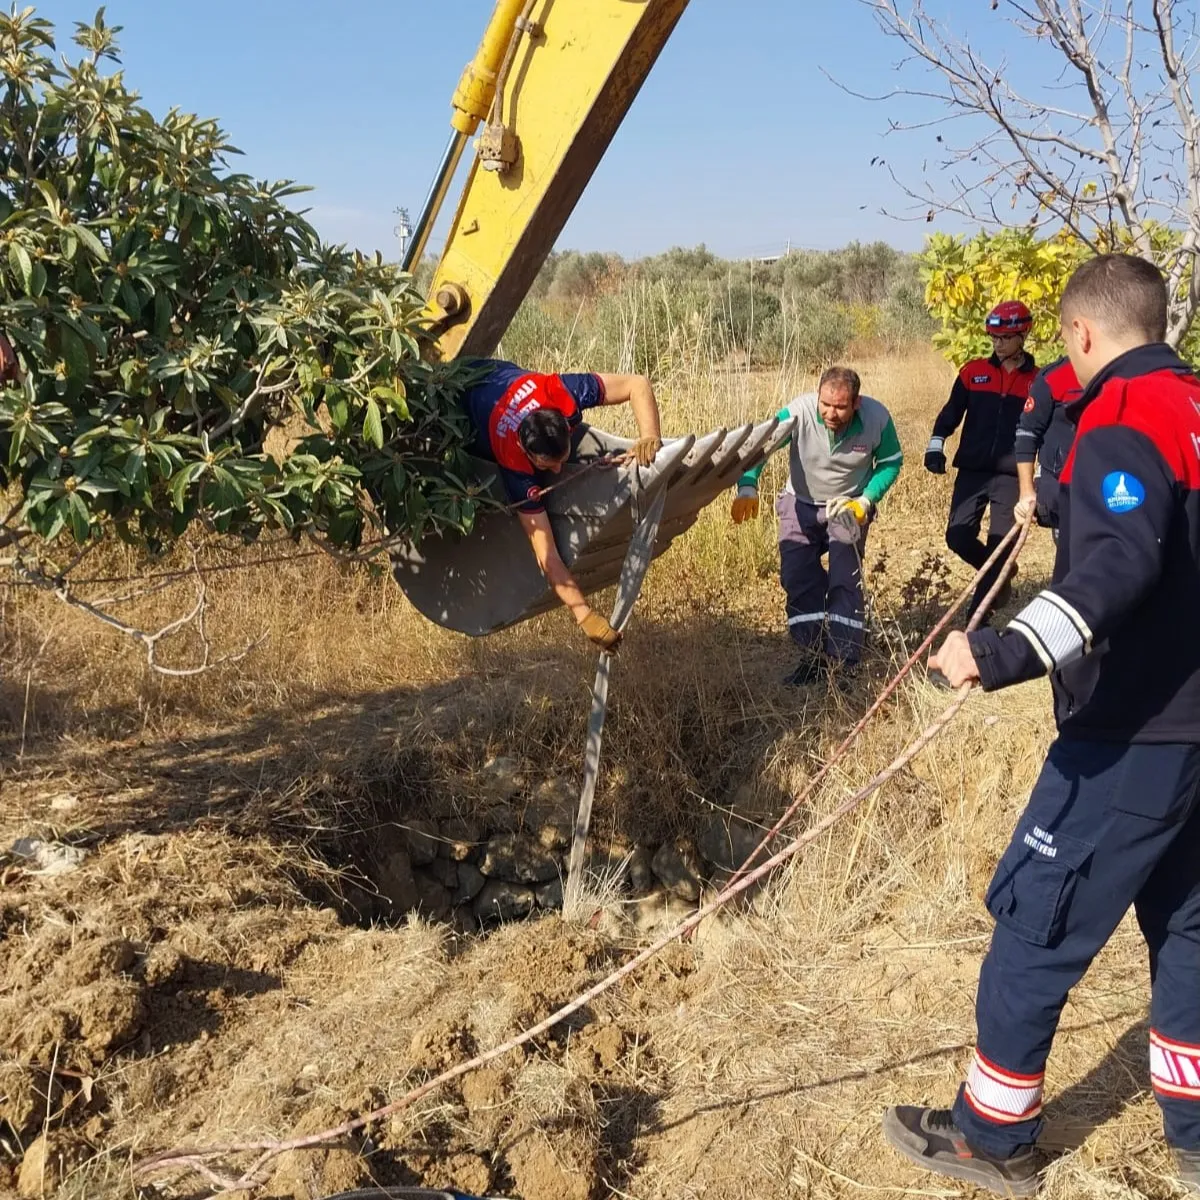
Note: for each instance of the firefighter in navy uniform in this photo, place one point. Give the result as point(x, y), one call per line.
point(1114, 819)
point(987, 399)
point(526, 423)
point(1044, 436)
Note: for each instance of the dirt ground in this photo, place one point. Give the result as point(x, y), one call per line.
point(212, 971)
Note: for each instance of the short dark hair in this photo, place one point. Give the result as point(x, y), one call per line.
point(842, 378)
point(545, 433)
point(1121, 292)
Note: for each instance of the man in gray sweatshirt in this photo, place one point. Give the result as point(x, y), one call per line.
point(844, 455)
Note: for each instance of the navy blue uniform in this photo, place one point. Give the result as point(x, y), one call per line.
point(502, 399)
point(1114, 819)
point(987, 401)
point(1045, 432)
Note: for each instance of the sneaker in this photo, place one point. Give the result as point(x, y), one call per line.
point(809, 671)
point(929, 1137)
point(1187, 1166)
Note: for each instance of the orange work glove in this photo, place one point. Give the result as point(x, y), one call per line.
point(745, 505)
point(599, 632)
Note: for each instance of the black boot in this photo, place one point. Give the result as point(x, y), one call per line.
point(929, 1137)
point(809, 671)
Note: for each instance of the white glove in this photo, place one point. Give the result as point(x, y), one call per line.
point(859, 506)
point(848, 514)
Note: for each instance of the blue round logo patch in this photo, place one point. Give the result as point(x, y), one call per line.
point(1122, 492)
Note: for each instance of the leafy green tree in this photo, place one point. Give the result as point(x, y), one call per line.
point(168, 313)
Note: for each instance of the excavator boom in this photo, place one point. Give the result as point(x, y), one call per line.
point(549, 85)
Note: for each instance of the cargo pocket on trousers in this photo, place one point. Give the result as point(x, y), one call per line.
point(1030, 893)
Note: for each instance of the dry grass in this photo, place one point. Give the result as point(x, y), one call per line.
point(761, 1058)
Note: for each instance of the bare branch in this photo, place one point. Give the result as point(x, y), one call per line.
point(60, 588)
point(1119, 166)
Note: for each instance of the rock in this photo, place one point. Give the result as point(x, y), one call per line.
point(459, 838)
point(640, 873)
point(470, 883)
point(677, 867)
point(47, 1162)
point(518, 858)
point(609, 862)
point(726, 842)
point(464, 920)
point(445, 871)
point(395, 881)
point(501, 779)
point(713, 931)
point(434, 900)
point(550, 895)
point(503, 901)
point(659, 911)
point(551, 816)
point(421, 841)
point(556, 792)
point(64, 803)
point(48, 858)
point(102, 958)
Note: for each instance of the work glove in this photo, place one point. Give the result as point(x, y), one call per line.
point(745, 506)
point(644, 450)
point(935, 458)
point(859, 507)
point(599, 632)
point(849, 515)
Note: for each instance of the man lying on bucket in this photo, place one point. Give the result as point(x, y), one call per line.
point(526, 424)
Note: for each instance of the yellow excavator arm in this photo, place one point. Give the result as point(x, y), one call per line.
point(549, 85)
point(548, 88)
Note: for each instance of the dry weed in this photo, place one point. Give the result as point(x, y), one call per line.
point(761, 1058)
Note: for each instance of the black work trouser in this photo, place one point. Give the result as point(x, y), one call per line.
point(974, 492)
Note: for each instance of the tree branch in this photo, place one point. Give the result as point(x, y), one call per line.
point(60, 588)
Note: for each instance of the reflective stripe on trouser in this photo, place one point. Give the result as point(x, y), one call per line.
point(824, 607)
point(1108, 825)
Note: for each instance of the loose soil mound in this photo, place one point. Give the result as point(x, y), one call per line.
point(226, 962)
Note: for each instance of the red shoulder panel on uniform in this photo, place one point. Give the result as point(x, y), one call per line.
point(977, 371)
point(1164, 406)
point(1063, 383)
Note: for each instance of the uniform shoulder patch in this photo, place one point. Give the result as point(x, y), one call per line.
point(1122, 492)
point(1029, 404)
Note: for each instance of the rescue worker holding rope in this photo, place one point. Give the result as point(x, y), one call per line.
point(844, 456)
point(1114, 818)
point(527, 424)
point(987, 399)
point(1044, 437)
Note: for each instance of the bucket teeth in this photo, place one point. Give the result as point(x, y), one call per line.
point(489, 579)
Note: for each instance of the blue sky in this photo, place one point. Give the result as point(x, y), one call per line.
point(737, 140)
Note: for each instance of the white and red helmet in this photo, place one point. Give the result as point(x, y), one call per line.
point(1009, 317)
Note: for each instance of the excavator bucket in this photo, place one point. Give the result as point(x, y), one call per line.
point(489, 579)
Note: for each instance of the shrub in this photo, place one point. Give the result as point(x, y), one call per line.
point(167, 313)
